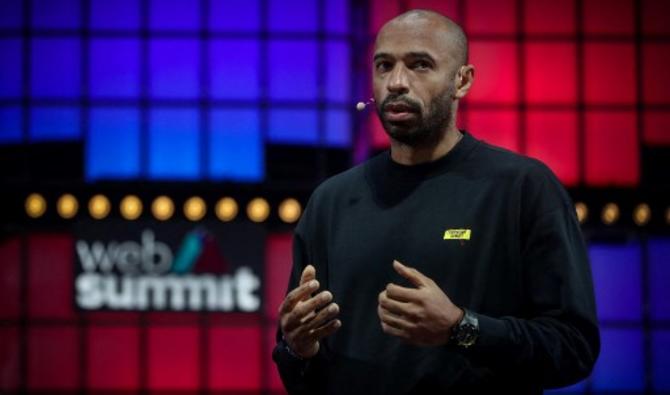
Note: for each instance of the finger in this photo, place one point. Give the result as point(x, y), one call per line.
point(308, 273)
point(413, 275)
point(326, 314)
point(393, 320)
point(402, 294)
point(394, 306)
point(314, 303)
point(394, 331)
point(325, 330)
point(296, 295)
point(305, 311)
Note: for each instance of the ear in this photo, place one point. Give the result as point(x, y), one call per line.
point(464, 78)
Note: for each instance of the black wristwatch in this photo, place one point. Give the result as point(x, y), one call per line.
point(465, 333)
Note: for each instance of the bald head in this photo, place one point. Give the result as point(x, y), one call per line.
point(441, 25)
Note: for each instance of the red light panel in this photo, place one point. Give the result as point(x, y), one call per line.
point(612, 151)
point(609, 73)
point(497, 127)
point(551, 73)
point(549, 16)
point(235, 358)
point(608, 16)
point(50, 278)
point(113, 355)
point(490, 16)
point(278, 262)
point(10, 257)
point(551, 136)
point(449, 8)
point(657, 128)
point(655, 16)
point(53, 358)
point(10, 358)
point(381, 11)
point(496, 72)
point(173, 358)
point(656, 78)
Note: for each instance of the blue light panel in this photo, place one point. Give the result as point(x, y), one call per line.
point(234, 16)
point(338, 16)
point(174, 68)
point(11, 13)
point(113, 144)
point(659, 278)
point(54, 123)
point(661, 360)
point(617, 278)
point(10, 125)
point(620, 366)
point(55, 14)
point(293, 71)
point(10, 68)
point(55, 71)
point(293, 15)
point(578, 388)
point(174, 144)
point(293, 127)
point(174, 14)
point(236, 146)
point(115, 15)
point(338, 128)
point(115, 63)
point(233, 68)
point(338, 78)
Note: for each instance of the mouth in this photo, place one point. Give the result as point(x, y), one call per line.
point(399, 111)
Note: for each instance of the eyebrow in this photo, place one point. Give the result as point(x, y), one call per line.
point(414, 54)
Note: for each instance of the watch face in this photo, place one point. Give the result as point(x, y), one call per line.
point(467, 335)
point(466, 332)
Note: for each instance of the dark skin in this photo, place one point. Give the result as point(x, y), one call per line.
point(419, 64)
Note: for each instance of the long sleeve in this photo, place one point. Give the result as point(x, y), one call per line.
point(558, 339)
point(296, 373)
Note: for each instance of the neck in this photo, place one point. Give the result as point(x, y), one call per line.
point(414, 155)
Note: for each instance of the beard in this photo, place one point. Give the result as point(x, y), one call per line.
point(424, 129)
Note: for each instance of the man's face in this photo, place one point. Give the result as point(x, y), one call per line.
point(413, 79)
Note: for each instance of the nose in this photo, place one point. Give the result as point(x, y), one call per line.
point(397, 82)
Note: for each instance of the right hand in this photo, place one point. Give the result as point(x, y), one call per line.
point(306, 319)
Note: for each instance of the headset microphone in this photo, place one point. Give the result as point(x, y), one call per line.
point(360, 106)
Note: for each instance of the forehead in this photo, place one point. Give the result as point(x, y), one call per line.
point(398, 38)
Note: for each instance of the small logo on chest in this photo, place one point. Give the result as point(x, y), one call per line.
point(457, 234)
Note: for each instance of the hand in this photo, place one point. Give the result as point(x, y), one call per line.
point(305, 319)
point(423, 315)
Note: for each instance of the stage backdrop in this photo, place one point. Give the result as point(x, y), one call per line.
point(260, 93)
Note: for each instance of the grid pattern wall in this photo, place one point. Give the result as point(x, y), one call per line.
point(175, 89)
point(45, 344)
point(579, 84)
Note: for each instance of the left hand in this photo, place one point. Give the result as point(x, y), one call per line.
point(423, 315)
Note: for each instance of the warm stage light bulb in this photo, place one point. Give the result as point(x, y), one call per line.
point(258, 210)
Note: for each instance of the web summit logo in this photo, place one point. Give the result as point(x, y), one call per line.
point(146, 275)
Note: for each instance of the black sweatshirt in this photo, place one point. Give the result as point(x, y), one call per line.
point(524, 272)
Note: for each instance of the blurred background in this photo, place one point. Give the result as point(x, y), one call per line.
point(156, 154)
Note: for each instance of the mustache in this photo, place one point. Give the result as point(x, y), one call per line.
point(400, 99)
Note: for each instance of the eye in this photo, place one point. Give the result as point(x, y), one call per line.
point(383, 66)
point(422, 65)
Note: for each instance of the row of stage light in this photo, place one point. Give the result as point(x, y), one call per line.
point(257, 210)
point(163, 208)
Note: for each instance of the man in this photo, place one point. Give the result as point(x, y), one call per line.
point(445, 266)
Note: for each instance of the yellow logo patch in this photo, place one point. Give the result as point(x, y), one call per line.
point(457, 234)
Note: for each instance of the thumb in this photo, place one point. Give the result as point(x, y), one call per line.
point(413, 275)
point(308, 274)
